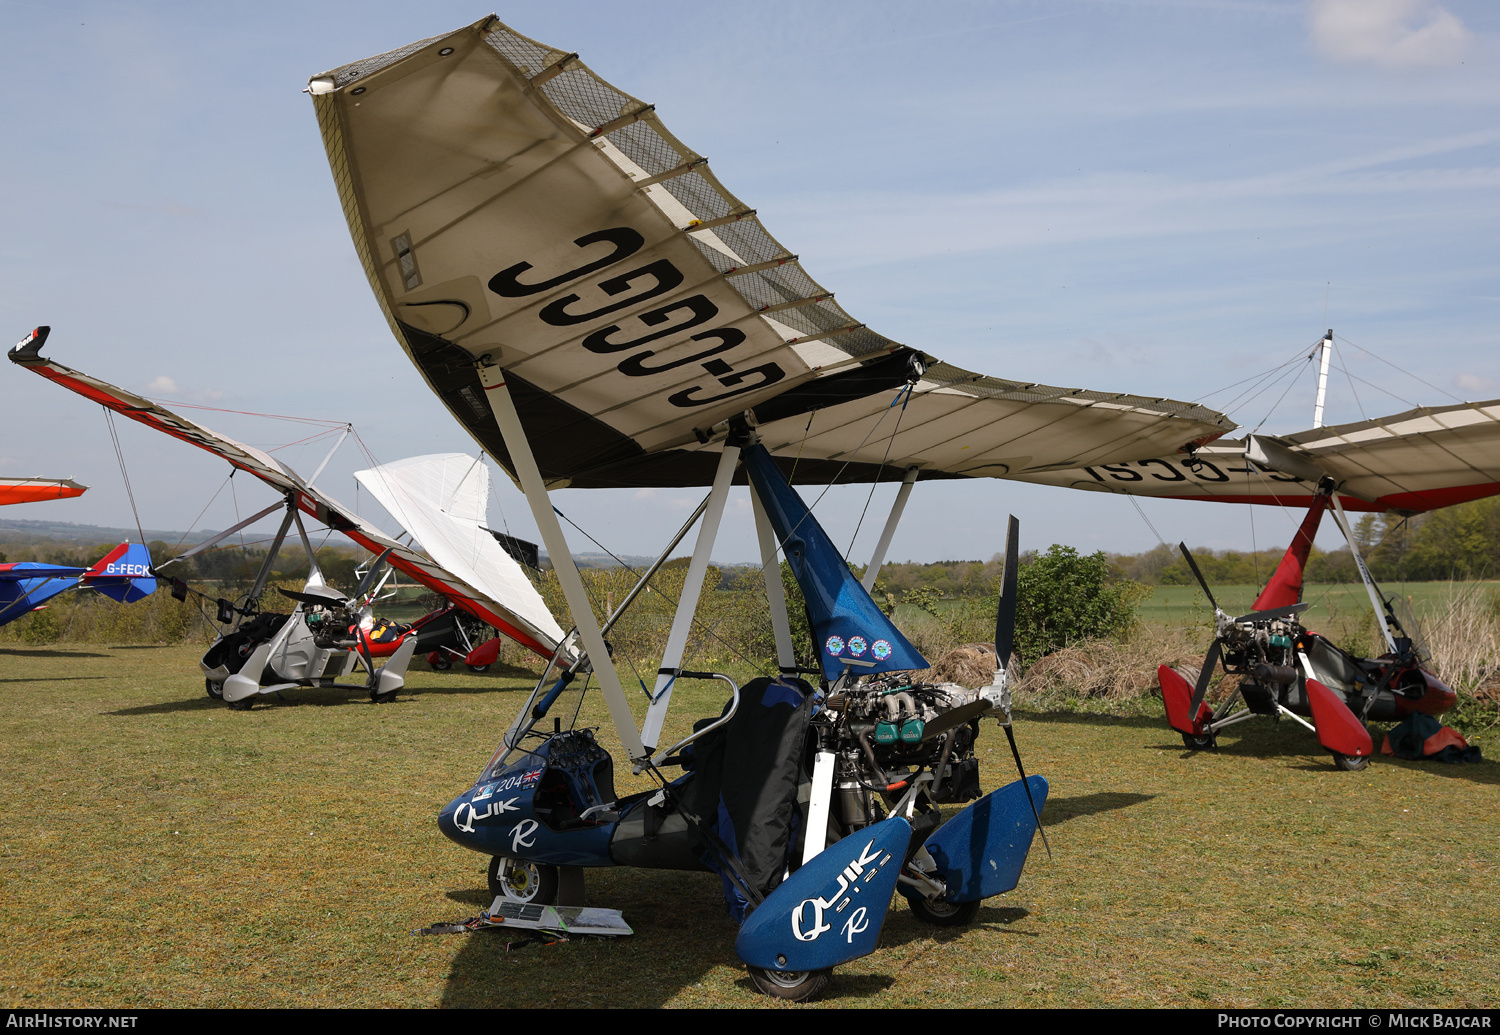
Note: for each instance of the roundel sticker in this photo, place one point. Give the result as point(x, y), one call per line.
point(858, 646)
point(881, 649)
point(834, 645)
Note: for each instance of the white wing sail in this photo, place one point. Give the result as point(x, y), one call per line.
point(442, 500)
point(1420, 460)
point(506, 201)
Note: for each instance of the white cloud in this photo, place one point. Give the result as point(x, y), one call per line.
point(1389, 33)
point(1474, 383)
point(164, 385)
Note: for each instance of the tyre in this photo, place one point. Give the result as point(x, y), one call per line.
point(215, 689)
point(1350, 763)
point(478, 669)
point(941, 913)
point(442, 664)
point(524, 882)
point(794, 985)
point(1195, 743)
point(385, 698)
point(243, 705)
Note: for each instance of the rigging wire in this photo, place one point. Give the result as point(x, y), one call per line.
point(903, 399)
point(1398, 370)
point(203, 511)
point(109, 422)
point(234, 495)
point(252, 413)
point(1262, 376)
point(1350, 378)
point(1384, 391)
point(303, 441)
point(1136, 504)
point(798, 459)
point(1290, 385)
point(1254, 546)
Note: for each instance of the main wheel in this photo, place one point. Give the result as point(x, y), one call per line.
point(385, 698)
point(478, 669)
point(1350, 763)
point(941, 913)
point(215, 689)
point(523, 882)
point(795, 985)
point(442, 664)
point(1196, 743)
point(244, 704)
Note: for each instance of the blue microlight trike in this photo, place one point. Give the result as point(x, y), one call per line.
point(814, 804)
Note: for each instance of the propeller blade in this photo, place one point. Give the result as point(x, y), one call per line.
point(1005, 613)
point(1011, 736)
point(1198, 575)
point(957, 717)
point(371, 574)
point(1274, 613)
point(1210, 665)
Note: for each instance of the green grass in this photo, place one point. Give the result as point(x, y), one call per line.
point(157, 849)
point(1172, 604)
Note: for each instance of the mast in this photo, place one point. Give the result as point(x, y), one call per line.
point(1326, 347)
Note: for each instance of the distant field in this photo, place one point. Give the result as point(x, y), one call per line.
point(1172, 604)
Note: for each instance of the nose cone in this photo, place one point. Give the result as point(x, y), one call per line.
point(1438, 698)
point(448, 821)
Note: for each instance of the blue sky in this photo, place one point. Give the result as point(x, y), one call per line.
point(1154, 197)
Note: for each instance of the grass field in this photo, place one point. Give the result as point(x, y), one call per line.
point(157, 849)
point(1337, 600)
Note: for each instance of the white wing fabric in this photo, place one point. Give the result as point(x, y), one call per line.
point(506, 201)
point(1409, 462)
point(442, 500)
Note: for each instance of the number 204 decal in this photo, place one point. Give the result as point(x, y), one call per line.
point(638, 285)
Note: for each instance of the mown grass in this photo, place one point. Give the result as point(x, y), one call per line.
point(157, 849)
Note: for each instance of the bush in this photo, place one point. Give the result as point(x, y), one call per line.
point(1063, 597)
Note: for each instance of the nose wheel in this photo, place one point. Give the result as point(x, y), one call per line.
point(794, 985)
point(939, 912)
point(523, 882)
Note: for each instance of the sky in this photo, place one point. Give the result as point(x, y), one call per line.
point(1160, 197)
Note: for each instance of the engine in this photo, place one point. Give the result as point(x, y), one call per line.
point(887, 732)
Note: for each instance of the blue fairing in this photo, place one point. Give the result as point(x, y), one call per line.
point(846, 623)
point(531, 810)
point(832, 909)
point(980, 852)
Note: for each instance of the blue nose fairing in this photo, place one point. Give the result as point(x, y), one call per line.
point(539, 808)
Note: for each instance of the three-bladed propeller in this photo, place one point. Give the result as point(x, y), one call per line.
point(1005, 642)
